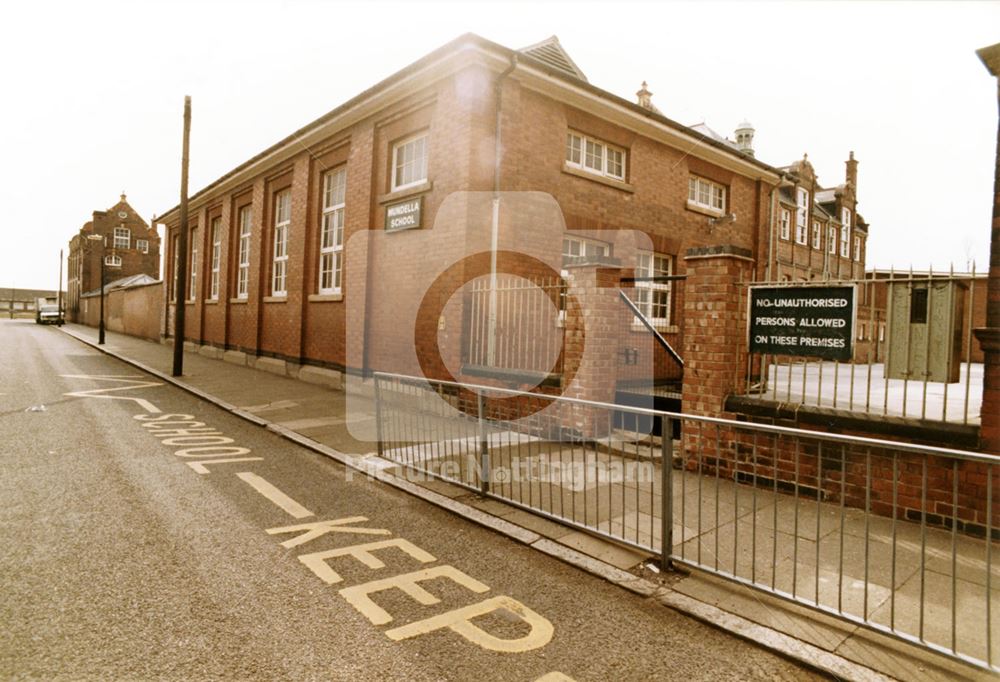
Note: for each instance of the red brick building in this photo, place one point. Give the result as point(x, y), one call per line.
point(271, 272)
point(130, 246)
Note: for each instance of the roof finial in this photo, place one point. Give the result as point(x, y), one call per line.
point(645, 97)
point(123, 195)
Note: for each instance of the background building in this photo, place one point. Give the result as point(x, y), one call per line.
point(130, 247)
point(24, 302)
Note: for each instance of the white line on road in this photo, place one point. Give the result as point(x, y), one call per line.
point(279, 498)
point(131, 381)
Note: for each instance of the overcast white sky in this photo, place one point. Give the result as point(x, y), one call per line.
point(93, 96)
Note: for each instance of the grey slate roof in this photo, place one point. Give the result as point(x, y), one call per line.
point(552, 53)
point(139, 280)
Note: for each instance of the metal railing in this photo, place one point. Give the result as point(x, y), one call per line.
point(891, 372)
point(894, 537)
point(516, 324)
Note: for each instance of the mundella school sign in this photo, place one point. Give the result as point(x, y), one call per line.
point(809, 321)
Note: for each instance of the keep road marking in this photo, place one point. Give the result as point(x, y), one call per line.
point(293, 508)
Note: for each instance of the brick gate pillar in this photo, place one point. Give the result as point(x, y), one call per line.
point(714, 327)
point(592, 334)
point(989, 336)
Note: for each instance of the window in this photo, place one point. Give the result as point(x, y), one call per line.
point(918, 306)
point(579, 247)
point(801, 233)
point(123, 238)
point(786, 219)
point(113, 261)
point(595, 156)
point(845, 232)
point(409, 162)
point(243, 261)
point(142, 245)
point(213, 290)
point(282, 218)
point(706, 194)
point(194, 266)
point(653, 298)
point(857, 248)
point(817, 233)
point(831, 239)
point(331, 244)
point(801, 214)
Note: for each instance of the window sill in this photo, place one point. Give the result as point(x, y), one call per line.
point(704, 210)
point(238, 300)
point(324, 298)
point(211, 301)
point(405, 193)
point(610, 182)
point(660, 327)
point(276, 299)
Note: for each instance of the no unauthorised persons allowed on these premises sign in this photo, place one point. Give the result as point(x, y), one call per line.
point(807, 321)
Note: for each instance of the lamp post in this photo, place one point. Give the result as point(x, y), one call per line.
point(100, 326)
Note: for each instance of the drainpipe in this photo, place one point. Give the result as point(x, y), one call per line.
point(495, 222)
point(771, 227)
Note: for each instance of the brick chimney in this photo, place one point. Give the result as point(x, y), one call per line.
point(852, 172)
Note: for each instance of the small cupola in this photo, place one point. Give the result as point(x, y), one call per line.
point(645, 98)
point(744, 137)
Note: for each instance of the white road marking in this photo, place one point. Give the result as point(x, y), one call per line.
point(358, 595)
point(132, 381)
point(316, 529)
point(279, 498)
point(202, 469)
point(363, 553)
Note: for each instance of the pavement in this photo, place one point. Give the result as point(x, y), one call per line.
point(317, 418)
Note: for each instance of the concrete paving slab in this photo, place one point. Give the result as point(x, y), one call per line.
point(488, 505)
point(617, 556)
point(452, 491)
point(275, 406)
point(797, 621)
point(542, 526)
point(969, 615)
point(906, 662)
point(310, 423)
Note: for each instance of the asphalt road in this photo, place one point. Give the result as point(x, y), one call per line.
point(120, 560)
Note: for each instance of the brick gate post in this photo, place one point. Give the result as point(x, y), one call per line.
point(714, 327)
point(592, 332)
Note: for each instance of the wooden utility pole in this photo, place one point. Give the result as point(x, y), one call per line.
point(989, 335)
point(181, 259)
